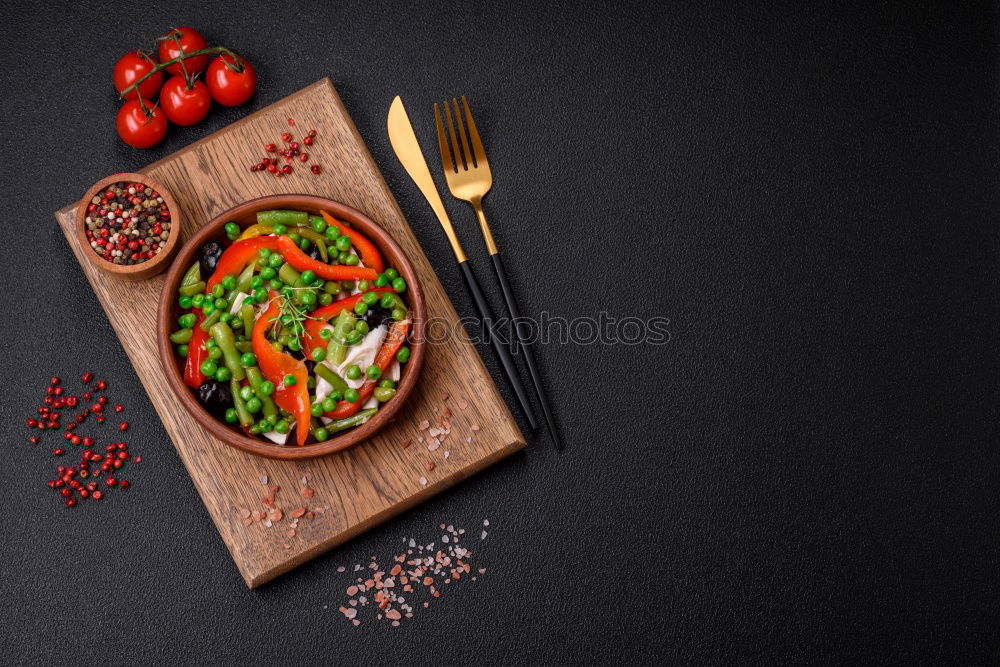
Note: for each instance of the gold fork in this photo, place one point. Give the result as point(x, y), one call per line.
point(469, 178)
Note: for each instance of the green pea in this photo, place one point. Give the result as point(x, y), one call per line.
point(331, 287)
point(387, 383)
point(254, 405)
point(229, 282)
point(266, 388)
point(332, 234)
point(248, 359)
point(275, 284)
point(316, 409)
point(342, 258)
point(220, 304)
point(319, 354)
point(197, 300)
point(235, 323)
point(210, 344)
point(354, 337)
point(214, 354)
point(227, 318)
point(275, 261)
point(398, 314)
point(370, 298)
point(184, 302)
point(362, 327)
point(308, 299)
point(382, 280)
point(383, 394)
point(254, 429)
point(354, 372)
point(208, 367)
point(363, 285)
point(388, 301)
point(294, 345)
point(232, 231)
point(231, 415)
point(295, 237)
point(280, 229)
point(267, 273)
point(277, 346)
point(290, 380)
point(266, 426)
point(373, 372)
point(399, 285)
point(391, 273)
point(208, 307)
point(326, 335)
point(260, 295)
point(223, 374)
point(403, 355)
point(329, 404)
point(307, 277)
point(282, 426)
point(352, 260)
point(218, 291)
point(183, 350)
point(342, 244)
point(351, 396)
point(246, 393)
point(287, 320)
point(335, 397)
point(325, 299)
point(187, 320)
point(304, 244)
point(321, 434)
point(264, 253)
point(287, 292)
point(360, 308)
point(347, 285)
point(257, 281)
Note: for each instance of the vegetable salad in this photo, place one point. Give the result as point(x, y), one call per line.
point(295, 330)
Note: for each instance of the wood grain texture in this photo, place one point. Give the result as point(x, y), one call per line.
point(367, 484)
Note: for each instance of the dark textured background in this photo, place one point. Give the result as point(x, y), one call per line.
point(808, 470)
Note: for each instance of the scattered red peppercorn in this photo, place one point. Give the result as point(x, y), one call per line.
point(123, 426)
point(110, 481)
point(308, 141)
point(87, 377)
point(97, 494)
point(315, 169)
point(286, 136)
point(101, 385)
point(291, 121)
point(70, 502)
point(34, 440)
point(54, 381)
point(58, 452)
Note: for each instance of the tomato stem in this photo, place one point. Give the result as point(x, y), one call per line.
point(235, 66)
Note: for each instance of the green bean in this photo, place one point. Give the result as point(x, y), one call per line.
point(383, 394)
point(256, 379)
point(192, 276)
point(181, 336)
point(192, 288)
point(207, 323)
point(317, 239)
point(279, 217)
point(246, 312)
point(336, 349)
point(243, 282)
point(353, 420)
point(330, 376)
point(244, 346)
point(287, 274)
point(223, 335)
point(246, 419)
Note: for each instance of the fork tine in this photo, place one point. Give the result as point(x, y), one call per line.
point(462, 166)
point(466, 152)
point(477, 143)
point(446, 161)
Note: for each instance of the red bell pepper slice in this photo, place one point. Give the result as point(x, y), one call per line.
point(321, 317)
point(193, 377)
point(366, 249)
point(238, 256)
point(300, 261)
point(393, 341)
point(275, 366)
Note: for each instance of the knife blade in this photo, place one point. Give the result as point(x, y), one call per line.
point(404, 143)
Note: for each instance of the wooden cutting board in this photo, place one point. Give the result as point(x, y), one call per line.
point(353, 490)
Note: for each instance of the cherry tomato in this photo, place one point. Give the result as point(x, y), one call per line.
point(129, 68)
point(183, 105)
point(190, 41)
point(229, 88)
point(136, 128)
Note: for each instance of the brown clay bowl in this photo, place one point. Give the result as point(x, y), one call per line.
point(245, 215)
point(150, 267)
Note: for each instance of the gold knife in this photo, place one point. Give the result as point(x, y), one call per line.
point(404, 143)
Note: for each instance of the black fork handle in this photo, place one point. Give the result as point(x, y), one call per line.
point(501, 350)
point(536, 378)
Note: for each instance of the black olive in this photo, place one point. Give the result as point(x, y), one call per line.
point(215, 396)
point(208, 256)
point(377, 316)
point(295, 354)
point(314, 253)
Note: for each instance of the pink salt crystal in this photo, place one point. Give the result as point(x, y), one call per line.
point(462, 405)
point(424, 424)
point(475, 427)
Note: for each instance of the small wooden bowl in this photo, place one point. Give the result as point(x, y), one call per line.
point(246, 215)
point(150, 267)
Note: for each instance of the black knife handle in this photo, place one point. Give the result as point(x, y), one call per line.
point(505, 359)
point(529, 358)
